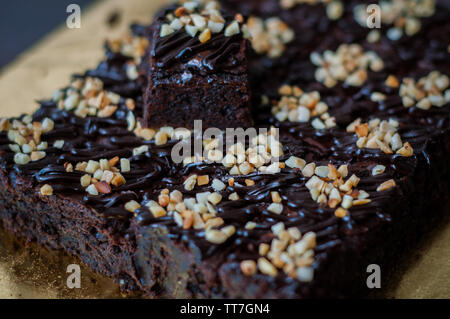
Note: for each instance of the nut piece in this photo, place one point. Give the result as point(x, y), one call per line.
point(190, 182)
point(232, 29)
point(266, 267)
point(92, 190)
point(85, 180)
point(295, 162)
point(218, 185)
point(378, 169)
point(205, 36)
point(132, 206)
point(340, 212)
point(46, 190)
point(406, 150)
point(248, 267)
point(124, 165)
point(203, 180)
point(275, 208)
point(215, 236)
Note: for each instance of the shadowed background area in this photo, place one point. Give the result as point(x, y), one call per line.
point(24, 22)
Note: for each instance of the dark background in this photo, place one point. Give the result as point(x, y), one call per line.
point(25, 22)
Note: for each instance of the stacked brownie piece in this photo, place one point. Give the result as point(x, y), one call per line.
point(358, 171)
point(198, 69)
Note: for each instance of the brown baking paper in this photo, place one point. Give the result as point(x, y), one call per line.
point(34, 272)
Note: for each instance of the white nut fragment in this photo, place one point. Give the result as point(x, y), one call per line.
point(92, 190)
point(191, 30)
point(266, 267)
point(21, 159)
point(190, 182)
point(125, 166)
point(132, 206)
point(215, 236)
point(275, 208)
point(85, 180)
point(295, 162)
point(59, 144)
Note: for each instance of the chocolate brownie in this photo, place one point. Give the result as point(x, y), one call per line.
point(198, 70)
point(358, 171)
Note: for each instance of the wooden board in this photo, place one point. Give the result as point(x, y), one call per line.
point(48, 66)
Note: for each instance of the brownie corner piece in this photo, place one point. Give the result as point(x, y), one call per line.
point(198, 71)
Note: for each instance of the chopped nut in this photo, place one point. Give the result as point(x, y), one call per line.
point(359, 202)
point(266, 267)
point(107, 111)
point(392, 81)
point(166, 30)
point(275, 208)
point(37, 155)
point(305, 274)
point(190, 182)
point(157, 211)
point(378, 169)
point(309, 169)
point(85, 180)
point(263, 249)
point(215, 236)
point(340, 212)
point(406, 150)
point(347, 202)
point(218, 185)
point(46, 190)
point(276, 198)
point(58, 144)
point(322, 171)
point(132, 206)
point(215, 198)
point(125, 165)
point(386, 185)
point(205, 36)
point(92, 166)
point(232, 29)
point(248, 267)
point(249, 182)
point(295, 162)
point(21, 159)
point(214, 222)
point(250, 225)
point(102, 187)
point(203, 180)
point(233, 196)
point(92, 190)
point(118, 180)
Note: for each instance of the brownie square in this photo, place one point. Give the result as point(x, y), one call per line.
point(190, 80)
